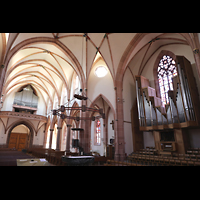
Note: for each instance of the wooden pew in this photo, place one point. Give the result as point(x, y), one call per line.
point(100, 160)
point(8, 149)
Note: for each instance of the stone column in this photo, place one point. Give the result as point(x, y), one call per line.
point(59, 129)
point(68, 138)
point(119, 124)
point(51, 137)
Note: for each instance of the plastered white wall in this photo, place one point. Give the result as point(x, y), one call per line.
point(21, 129)
point(102, 85)
point(39, 138)
point(8, 102)
point(41, 108)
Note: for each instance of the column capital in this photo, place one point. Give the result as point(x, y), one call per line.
point(51, 129)
point(69, 125)
point(59, 127)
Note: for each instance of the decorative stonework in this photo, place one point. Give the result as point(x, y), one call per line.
point(22, 115)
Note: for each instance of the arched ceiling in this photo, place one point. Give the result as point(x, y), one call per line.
point(151, 44)
point(49, 60)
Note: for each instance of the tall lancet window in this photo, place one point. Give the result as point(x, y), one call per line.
point(98, 133)
point(166, 70)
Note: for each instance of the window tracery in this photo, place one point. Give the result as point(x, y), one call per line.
point(166, 71)
point(98, 133)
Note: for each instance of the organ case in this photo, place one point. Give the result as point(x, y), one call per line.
point(183, 109)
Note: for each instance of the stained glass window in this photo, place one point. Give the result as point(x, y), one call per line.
point(98, 133)
point(166, 70)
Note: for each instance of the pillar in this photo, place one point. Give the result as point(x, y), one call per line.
point(84, 135)
point(182, 140)
point(51, 137)
point(58, 138)
point(157, 139)
point(68, 138)
point(119, 124)
point(138, 141)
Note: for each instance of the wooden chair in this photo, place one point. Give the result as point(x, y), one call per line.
point(189, 152)
point(181, 157)
point(184, 162)
point(198, 157)
point(197, 163)
point(193, 157)
point(156, 160)
point(161, 161)
point(166, 161)
point(147, 160)
point(172, 162)
point(190, 163)
point(175, 155)
point(177, 162)
point(195, 152)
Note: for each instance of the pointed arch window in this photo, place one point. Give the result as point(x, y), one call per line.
point(98, 133)
point(166, 70)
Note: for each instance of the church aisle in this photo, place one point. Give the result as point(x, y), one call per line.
point(9, 157)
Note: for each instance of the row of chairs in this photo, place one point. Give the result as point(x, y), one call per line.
point(120, 163)
point(148, 151)
point(193, 157)
point(163, 160)
point(196, 152)
point(150, 147)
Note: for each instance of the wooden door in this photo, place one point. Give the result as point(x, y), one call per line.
point(13, 140)
point(17, 141)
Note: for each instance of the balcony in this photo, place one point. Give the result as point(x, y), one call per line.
point(23, 115)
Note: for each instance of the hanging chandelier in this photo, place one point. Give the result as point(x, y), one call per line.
point(63, 115)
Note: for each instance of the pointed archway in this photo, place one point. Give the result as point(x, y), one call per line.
point(29, 139)
point(108, 129)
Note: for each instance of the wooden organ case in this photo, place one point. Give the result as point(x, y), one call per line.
point(182, 111)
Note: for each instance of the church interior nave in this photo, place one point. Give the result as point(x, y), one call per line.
point(108, 96)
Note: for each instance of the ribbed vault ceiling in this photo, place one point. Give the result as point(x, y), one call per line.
point(34, 58)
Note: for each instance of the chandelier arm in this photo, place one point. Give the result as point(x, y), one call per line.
point(93, 109)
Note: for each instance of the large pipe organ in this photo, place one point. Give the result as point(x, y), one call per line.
point(183, 108)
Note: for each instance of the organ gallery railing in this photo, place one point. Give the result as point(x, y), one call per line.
point(22, 115)
point(183, 109)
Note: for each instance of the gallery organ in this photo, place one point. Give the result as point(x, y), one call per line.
point(182, 109)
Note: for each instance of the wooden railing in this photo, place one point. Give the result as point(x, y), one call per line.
point(22, 115)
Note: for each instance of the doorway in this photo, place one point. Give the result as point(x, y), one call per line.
point(17, 141)
point(19, 137)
